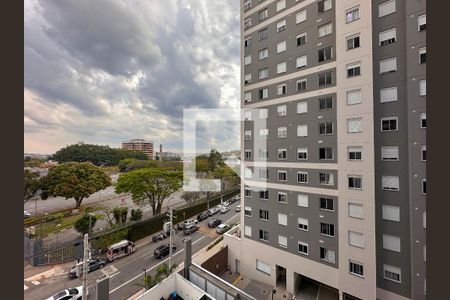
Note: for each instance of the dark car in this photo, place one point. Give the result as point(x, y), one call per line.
point(188, 229)
point(163, 250)
point(214, 222)
point(93, 265)
point(202, 216)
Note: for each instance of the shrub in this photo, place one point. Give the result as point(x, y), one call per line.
point(102, 242)
point(136, 215)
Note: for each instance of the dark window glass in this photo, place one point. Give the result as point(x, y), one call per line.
point(326, 103)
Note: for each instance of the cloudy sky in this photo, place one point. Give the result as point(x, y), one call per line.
point(105, 71)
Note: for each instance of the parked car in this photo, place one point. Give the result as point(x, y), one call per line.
point(190, 229)
point(221, 228)
point(163, 250)
point(202, 216)
point(226, 203)
point(214, 222)
point(189, 222)
point(224, 209)
point(26, 214)
point(75, 293)
point(238, 208)
point(213, 211)
point(93, 265)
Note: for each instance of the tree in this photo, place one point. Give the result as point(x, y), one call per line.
point(74, 180)
point(150, 186)
point(215, 160)
point(30, 184)
point(82, 224)
point(136, 215)
point(120, 215)
point(190, 197)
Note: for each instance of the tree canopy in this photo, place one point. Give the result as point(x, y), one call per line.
point(30, 184)
point(215, 160)
point(150, 186)
point(74, 180)
point(82, 224)
point(97, 154)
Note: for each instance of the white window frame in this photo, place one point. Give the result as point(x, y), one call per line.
point(263, 267)
point(248, 154)
point(423, 117)
point(354, 13)
point(354, 96)
point(285, 197)
point(282, 132)
point(302, 107)
point(354, 149)
point(355, 177)
point(353, 128)
point(389, 94)
point(281, 172)
point(387, 36)
point(388, 119)
point(390, 213)
point(390, 153)
point(247, 97)
point(302, 200)
point(302, 130)
point(421, 20)
point(325, 29)
point(248, 78)
point(304, 224)
point(282, 110)
point(247, 230)
point(355, 210)
point(263, 73)
point(423, 87)
point(282, 241)
point(356, 263)
point(394, 183)
point(303, 173)
point(281, 46)
point(281, 4)
point(301, 81)
point(385, 65)
point(280, 88)
point(281, 25)
point(281, 67)
point(263, 53)
point(356, 239)
point(263, 113)
point(386, 8)
point(248, 135)
point(423, 150)
point(282, 219)
point(247, 60)
point(301, 61)
point(304, 151)
point(301, 16)
point(303, 244)
point(304, 34)
point(392, 243)
point(393, 270)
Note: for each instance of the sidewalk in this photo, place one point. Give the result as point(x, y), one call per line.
point(44, 272)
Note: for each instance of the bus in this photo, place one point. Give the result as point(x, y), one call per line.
point(120, 249)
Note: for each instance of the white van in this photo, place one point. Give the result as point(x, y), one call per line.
point(122, 248)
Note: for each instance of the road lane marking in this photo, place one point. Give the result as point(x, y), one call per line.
point(237, 279)
point(109, 270)
point(35, 282)
point(160, 263)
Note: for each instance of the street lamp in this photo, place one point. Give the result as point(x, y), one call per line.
point(273, 293)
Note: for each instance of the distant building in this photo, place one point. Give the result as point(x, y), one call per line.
point(139, 145)
point(171, 156)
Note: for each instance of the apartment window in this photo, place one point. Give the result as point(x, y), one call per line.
point(247, 115)
point(424, 186)
point(300, 16)
point(302, 107)
point(282, 132)
point(325, 79)
point(264, 73)
point(247, 231)
point(281, 4)
point(327, 255)
point(261, 266)
point(423, 87)
point(301, 85)
point(301, 61)
point(263, 53)
point(388, 65)
point(282, 110)
point(424, 220)
point(281, 89)
point(302, 177)
point(353, 42)
point(282, 154)
point(247, 23)
point(327, 229)
point(263, 14)
point(325, 54)
point(356, 239)
point(282, 197)
point(281, 67)
point(282, 175)
point(356, 268)
point(263, 154)
point(389, 153)
point(354, 125)
point(388, 94)
point(355, 182)
point(247, 42)
point(303, 248)
point(301, 39)
point(264, 133)
point(247, 192)
point(326, 178)
point(423, 55)
point(264, 195)
point(247, 173)
point(282, 219)
point(423, 120)
point(247, 60)
point(302, 200)
point(325, 103)
point(248, 154)
point(323, 6)
point(247, 78)
point(247, 211)
point(281, 46)
point(422, 22)
point(326, 153)
point(423, 153)
point(391, 213)
point(352, 14)
point(325, 29)
point(263, 93)
point(303, 224)
point(354, 69)
point(389, 124)
point(302, 153)
point(262, 34)
point(354, 153)
point(390, 183)
point(386, 8)
point(302, 130)
point(391, 242)
point(387, 37)
point(326, 128)
point(247, 4)
point(263, 235)
point(264, 173)
point(264, 214)
point(354, 97)
point(263, 113)
point(392, 273)
point(355, 210)
point(281, 26)
point(327, 204)
point(282, 241)
point(248, 135)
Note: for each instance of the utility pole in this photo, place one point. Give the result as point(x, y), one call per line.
point(221, 192)
point(170, 237)
point(85, 265)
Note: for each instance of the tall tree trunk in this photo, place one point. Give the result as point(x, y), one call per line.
point(78, 201)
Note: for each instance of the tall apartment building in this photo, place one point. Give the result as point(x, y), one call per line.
point(139, 145)
point(334, 188)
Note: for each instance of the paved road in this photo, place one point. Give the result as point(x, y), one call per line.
point(127, 272)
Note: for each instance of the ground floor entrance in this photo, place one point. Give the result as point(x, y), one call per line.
point(310, 289)
point(281, 277)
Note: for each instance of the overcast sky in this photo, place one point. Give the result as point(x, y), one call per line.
point(105, 71)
